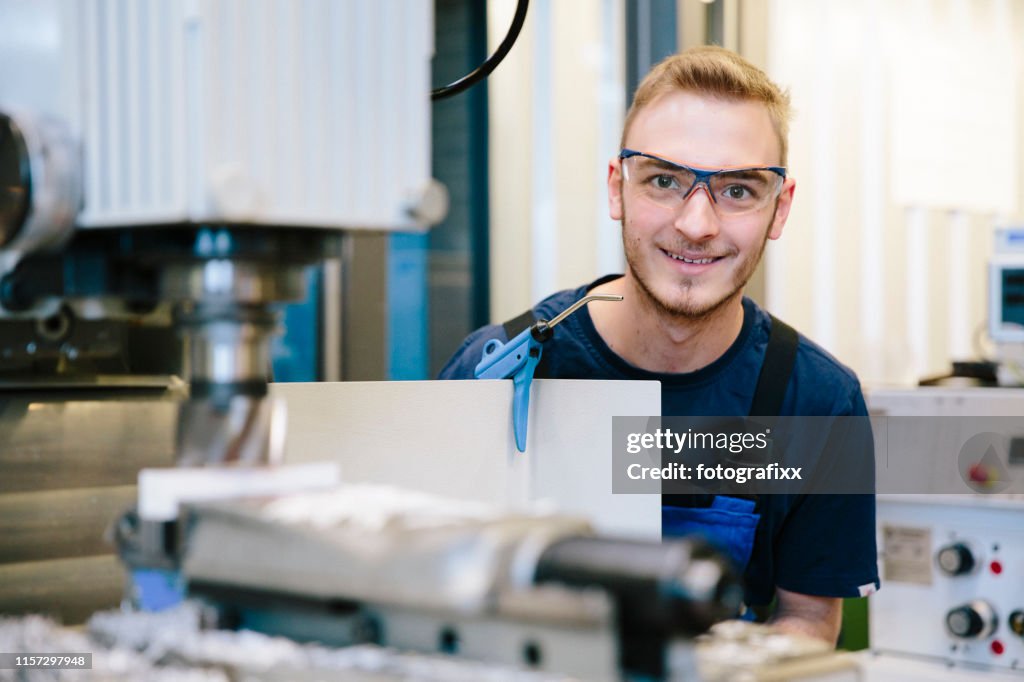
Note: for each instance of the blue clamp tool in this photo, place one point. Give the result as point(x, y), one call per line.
point(518, 359)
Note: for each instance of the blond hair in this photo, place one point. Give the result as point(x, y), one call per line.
point(714, 71)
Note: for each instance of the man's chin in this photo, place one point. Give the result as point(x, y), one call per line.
point(693, 305)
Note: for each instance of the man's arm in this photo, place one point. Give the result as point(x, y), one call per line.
point(805, 614)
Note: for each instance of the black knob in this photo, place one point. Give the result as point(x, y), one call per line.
point(976, 620)
point(1016, 622)
point(956, 559)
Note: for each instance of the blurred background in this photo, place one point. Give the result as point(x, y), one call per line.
point(905, 146)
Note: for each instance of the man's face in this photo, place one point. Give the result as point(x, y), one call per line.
point(707, 133)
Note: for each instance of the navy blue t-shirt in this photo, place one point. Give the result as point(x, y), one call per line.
point(821, 545)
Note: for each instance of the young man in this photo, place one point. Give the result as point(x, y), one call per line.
point(693, 236)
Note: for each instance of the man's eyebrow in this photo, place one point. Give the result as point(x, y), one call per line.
point(662, 163)
point(746, 174)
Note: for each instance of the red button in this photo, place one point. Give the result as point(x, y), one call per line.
point(997, 647)
point(996, 567)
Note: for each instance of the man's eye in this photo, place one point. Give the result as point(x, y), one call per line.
point(665, 182)
point(737, 192)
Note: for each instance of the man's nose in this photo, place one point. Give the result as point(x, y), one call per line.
point(697, 219)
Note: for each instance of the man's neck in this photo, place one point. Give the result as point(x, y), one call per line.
point(648, 338)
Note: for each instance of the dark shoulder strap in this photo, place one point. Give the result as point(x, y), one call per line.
point(518, 323)
point(779, 358)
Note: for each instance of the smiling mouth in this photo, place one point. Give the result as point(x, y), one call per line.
point(693, 261)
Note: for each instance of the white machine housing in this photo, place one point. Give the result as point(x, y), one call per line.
point(264, 112)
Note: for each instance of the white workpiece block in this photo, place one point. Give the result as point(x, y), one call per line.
point(454, 438)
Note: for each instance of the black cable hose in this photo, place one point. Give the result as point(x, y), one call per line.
point(485, 69)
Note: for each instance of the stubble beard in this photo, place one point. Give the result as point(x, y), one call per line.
point(687, 308)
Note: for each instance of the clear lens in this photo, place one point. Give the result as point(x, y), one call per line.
point(742, 191)
point(661, 183)
point(734, 192)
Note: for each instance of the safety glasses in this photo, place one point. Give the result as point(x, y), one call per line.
point(733, 191)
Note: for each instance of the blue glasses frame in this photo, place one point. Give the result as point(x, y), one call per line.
point(700, 176)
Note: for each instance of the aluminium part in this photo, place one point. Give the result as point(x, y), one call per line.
point(40, 186)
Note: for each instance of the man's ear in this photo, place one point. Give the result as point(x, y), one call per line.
point(615, 189)
point(782, 208)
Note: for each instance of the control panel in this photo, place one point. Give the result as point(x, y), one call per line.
point(951, 607)
point(952, 569)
